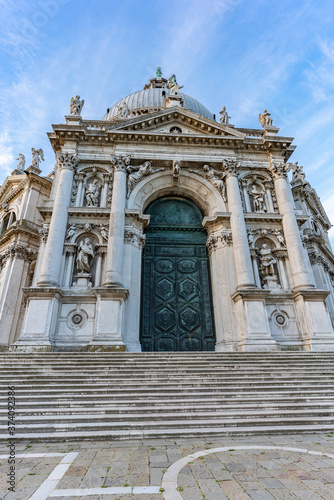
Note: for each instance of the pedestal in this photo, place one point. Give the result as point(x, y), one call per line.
point(271, 283)
point(82, 282)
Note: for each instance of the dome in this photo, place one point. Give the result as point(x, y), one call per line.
point(153, 99)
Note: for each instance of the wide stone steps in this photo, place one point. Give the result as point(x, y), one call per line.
point(136, 395)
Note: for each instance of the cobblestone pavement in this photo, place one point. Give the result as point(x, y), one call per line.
point(139, 470)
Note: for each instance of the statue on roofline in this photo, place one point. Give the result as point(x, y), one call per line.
point(173, 85)
point(21, 162)
point(76, 105)
point(265, 119)
point(37, 157)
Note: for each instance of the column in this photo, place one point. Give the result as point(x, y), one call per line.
point(256, 271)
point(284, 279)
point(104, 190)
point(78, 201)
point(269, 197)
point(114, 260)
point(243, 264)
point(246, 196)
point(98, 269)
point(300, 267)
point(69, 267)
point(50, 267)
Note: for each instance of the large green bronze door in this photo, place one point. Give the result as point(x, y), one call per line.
point(176, 290)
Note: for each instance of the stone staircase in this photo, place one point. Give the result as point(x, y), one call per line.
point(135, 395)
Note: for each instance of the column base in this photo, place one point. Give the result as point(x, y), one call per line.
point(105, 346)
point(225, 347)
point(31, 346)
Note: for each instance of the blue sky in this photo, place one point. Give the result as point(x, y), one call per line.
point(244, 54)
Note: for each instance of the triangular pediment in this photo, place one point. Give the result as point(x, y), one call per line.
point(176, 120)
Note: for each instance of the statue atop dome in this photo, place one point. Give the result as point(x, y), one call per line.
point(173, 85)
point(158, 72)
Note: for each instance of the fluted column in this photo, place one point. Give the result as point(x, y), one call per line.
point(243, 263)
point(300, 267)
point(114, 260)
point(50, 267)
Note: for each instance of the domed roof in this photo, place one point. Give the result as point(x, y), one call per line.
point(152, 98)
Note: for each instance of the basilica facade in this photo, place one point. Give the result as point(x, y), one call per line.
point(164, 229)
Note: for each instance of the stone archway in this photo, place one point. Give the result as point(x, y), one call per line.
point(176, 307)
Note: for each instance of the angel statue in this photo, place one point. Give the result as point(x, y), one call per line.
point(76, 105)
point(265, 119)
point(37, 157)
point(21, 162)
point(173, 85)
point(137, 173)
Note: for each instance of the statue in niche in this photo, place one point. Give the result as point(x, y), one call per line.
point(224, 118)
point(92, 192)
point(103, 231)
point(137, 173)
point(21, 162)
point(173, 85)
point(267, 270)
point(37, 157)
point(76, 105)
point(265, 119)
point(216, 179)
point(258, 199)
point(267, 261)
point(85, 256)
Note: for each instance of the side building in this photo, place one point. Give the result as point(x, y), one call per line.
point(161, 229)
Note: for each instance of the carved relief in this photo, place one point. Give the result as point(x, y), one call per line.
point(277, 233)
point(43, 232)
point(279, 170)
point(18, 251)
point(231, 166)
point(132, 236)
point(74, 189)
point(73, 229)
point(67, 160)
point(135, 174)
point(215, 178)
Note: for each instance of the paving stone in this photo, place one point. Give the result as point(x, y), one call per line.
point(261, 495)
point(233, 490)
point(270, 482)
point(307, 495)
point(191, 493)
point(282, 494)
point(327, 491)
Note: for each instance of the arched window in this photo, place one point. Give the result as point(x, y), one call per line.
point(7, 221)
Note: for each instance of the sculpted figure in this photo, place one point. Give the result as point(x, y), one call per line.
point(92, 192)
point(21, 162)
point(37, 157)
point(173, 85)
point(85, 256)
point(104, 232)
point(76, 105)
point(124, 110)
point(71, 231)
point(267, 261)
point(258, 199)
point(216, 179)
point(158, 72)
point(297, 173)
point(265, 119)
point(224, 118)
point(137, 173)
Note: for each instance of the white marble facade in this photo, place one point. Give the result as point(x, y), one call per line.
point(71, 243)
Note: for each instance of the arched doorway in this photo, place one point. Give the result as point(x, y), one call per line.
point(176, 311)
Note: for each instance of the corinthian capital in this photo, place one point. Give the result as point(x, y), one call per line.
point(279, 170)
point(231, 167)
point(67, 160)
point(120, 162)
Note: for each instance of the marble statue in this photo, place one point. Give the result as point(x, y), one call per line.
point(176, 168)
point(267, 261)
point(224, 118)
point(92, 192)
point(258, 199)
point(37, 157)
point(21, 162)
point(265, 119)
point(85, 256)
point(137, 173)
point(103, 231)
point(215, 178)
point(71, 230)
point(76, 105)
point(173, 85)
point(124, 110)
point(297, 173)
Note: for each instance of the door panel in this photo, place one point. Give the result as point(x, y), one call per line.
point(176, 291)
